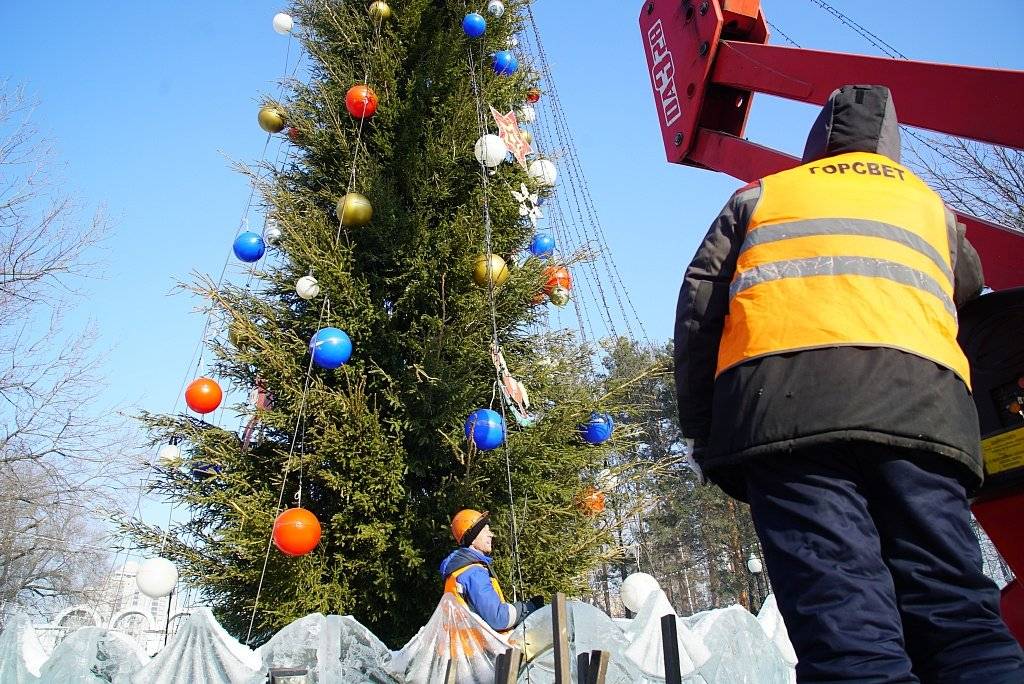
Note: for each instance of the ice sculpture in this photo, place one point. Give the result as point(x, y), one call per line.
point(741, 652)
point(201, 651)
point(331, 648)
point(452, 638)
point(771, 621)
point(645, 644)
point(91, 655)
point(21, 654)
point(725, 646)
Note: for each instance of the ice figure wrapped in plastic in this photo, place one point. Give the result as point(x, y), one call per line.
point(724, 646)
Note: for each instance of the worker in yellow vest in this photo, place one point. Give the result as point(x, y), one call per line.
point(819, 378)
point(468, 575)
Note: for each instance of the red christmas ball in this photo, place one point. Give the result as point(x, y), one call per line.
point(557, 276)
point(203, 395)
point(296, 532)
point(533, 95)
point(295, 135)
point(361, 101)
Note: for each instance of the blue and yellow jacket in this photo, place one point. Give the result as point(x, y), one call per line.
point(468, 576)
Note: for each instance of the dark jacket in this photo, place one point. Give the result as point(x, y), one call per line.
point(784, 402)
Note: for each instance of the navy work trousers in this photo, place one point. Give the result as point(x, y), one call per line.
point(876, 570)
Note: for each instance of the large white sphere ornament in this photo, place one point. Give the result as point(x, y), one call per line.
point(754, 564)
point(490, 150)
point(307, 287)
point(169, 454)
point(283, 23)
point(636, 589)
point(527, 114)
point(156, 577)
point(496, 8)
point(544, 172)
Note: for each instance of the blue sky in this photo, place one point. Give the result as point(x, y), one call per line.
point(148, 103)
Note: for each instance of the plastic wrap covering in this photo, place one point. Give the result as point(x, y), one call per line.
point(772, 624)
point(21, 654)
point(91, 655)
point(741, 652)
point(453, 638)
point(332, 649)
point(645, 644)
point(201, 651)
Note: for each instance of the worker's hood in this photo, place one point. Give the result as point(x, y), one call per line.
point(856, 118)
point(460, 558)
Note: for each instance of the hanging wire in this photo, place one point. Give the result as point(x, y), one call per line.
point(483, 128)
point(619, 289)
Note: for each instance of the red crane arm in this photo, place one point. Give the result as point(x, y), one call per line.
point(707, 58)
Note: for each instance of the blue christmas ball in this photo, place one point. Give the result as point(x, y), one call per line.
point(249, 247)
point(542, 245)
point(474, 25)
point(598, 429)
point(505, 63)
point(486, 428)
point(330, 348)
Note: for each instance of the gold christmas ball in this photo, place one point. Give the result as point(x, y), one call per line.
point(528, 137)
point(272, 119)
point(380, 10)
point(354, 210)
point(498, 271)
point(559, 296)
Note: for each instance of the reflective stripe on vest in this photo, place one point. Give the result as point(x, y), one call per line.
point(830, 246)
point(452, 586)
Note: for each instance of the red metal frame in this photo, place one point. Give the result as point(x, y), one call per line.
point(708, 57)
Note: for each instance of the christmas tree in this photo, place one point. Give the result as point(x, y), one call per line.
point(376, 448)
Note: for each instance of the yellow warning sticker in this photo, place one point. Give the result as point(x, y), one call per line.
point(1004, 451)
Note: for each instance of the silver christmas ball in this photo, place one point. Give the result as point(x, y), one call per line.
point(272, 234)
point(496, 8)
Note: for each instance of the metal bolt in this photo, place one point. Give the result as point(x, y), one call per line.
point(679, 139)
point(704, 8)
point(650, 7)
point(704, 47)
point(689, 13)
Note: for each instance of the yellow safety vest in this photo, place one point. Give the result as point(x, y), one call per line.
point(851, 250)
point(452, 586)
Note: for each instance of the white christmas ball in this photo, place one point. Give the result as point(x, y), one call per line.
point(754, 564)
point(544, 172)
point(169, 453)
point(283, 23)
point(526, 114)
point(307, 287)
point(636, 589)
point(272, 234)
point(156, 577)
point(496, 8)
point(490, 150)
point(513, 42)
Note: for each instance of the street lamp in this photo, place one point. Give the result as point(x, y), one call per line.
point(756, 567)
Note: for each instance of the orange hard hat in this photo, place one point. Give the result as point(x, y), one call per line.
point(467, 523)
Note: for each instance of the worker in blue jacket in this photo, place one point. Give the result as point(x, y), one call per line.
point(468, 575)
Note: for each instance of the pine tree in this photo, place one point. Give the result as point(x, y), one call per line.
point(378, 444)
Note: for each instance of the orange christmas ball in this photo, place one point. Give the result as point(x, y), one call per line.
point(203, 395)
point(557, 276)
point(361, 101)
point(593, 501)
point(296, 532)
point(533, 95)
